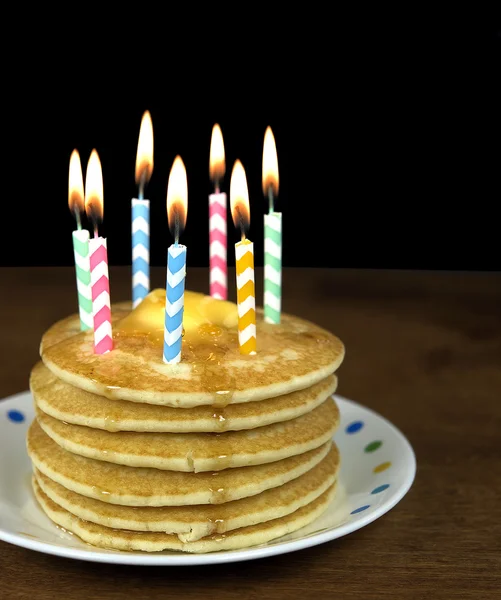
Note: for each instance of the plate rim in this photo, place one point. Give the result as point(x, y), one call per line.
point(251, 553)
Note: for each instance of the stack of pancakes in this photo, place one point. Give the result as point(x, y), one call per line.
point(221, 451)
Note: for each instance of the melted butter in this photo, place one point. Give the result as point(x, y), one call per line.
point(35, 537)
point(216, 525)
point(207, 355)
point(209, 331)
point(209, 334)
point(101, 492)
point(219, 495)
point(223, 461)
point(61, 528)
point(220, 420)
point(110, 423)
point(202, 315)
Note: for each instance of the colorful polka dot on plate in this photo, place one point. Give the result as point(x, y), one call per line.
point(360, 509)
point(373, 446)
point(16, 416)
point(380, 488)
point(382, 467)
point(354, 427)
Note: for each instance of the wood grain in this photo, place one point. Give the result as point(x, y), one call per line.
point(423, 349)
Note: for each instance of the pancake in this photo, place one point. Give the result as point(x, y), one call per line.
point(292, 355)
point(198, 451)
point(70, 326)
point(191, 523)
point(120, 539)
point(73, 405)
point(118, 484)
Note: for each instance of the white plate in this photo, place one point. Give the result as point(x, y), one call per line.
point(377, 469)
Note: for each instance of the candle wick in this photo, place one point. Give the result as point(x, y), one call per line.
point(270, 200)
point(79, 222)
point(176, 228)
point(95, 232)
point(216, 186)
point(243, 235)
point(141, 187)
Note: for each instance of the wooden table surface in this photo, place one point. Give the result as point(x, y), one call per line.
point(422, 349)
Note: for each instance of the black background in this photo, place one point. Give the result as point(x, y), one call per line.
point(387, 139)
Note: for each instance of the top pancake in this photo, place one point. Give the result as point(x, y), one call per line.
point(290, 356)
point(70, 326)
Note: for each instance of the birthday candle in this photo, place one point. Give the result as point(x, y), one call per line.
point(99, 278)
point(80, 242)
point(244, 259)
point(141, 214)
point(272, 234)
point(218, 271)
point(177, 209)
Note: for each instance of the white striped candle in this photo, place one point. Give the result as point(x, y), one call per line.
point(101, 303)
point(82, 271)
point(174, 303)
point(218, 273)
point(140, 250)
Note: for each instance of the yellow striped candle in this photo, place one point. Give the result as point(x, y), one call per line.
point(244, 260)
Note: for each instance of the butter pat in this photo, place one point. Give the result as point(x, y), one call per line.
point(148, 316)
point(218, 312)
point(199, 312)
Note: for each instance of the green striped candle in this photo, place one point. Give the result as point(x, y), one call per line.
point(272, 267)
point(82, 268)
point(76, 205)
point(272, 233)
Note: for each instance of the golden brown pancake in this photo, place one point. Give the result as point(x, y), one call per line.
point(291, 356)
point(70, 326)
point(121, 539)
point(191, 523)
point(73, 405)
point(198, 451)
point(136, 486)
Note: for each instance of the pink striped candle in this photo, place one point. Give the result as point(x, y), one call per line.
point(217, 246)
point(98, 253)
point(101, 303)
point(218, 271)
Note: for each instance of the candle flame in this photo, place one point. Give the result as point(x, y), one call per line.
point(177, 198)
point(217, 166)
point(94, 189)
point(75, 185)
point(144, 157)
point(270, 164)
point(239, 198)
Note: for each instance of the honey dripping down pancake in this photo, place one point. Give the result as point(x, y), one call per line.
point(191, 523)
point(139, 486)
point(198, 451)
point(126, 540)
point(78, 407)
point(293, 355)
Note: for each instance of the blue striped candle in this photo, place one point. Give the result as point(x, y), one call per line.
point(140, 250)
point(174, 303)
